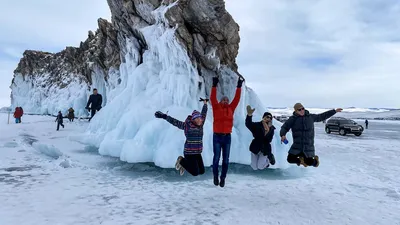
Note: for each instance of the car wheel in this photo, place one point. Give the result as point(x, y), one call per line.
point(342, 132)
point(358, 134)
point(327, 130)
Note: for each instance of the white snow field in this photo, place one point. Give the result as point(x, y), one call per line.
point(46, 178)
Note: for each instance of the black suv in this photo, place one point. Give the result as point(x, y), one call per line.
point(343, 126)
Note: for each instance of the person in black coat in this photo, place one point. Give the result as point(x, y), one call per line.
point(59, 120)
point(302, 151)
point(260, 147)
point(96, 100)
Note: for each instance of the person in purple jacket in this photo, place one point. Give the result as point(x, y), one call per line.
point(193, 129)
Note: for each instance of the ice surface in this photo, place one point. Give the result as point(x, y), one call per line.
point(356, 175)
point(49, 150)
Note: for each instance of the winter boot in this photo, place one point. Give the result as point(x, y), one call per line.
point(178, 163)
point(302, 162)
point(271, 159)
point(316, 159)
point(216, 181)
point(222, 182)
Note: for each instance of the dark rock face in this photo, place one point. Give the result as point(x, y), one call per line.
point(100, 49)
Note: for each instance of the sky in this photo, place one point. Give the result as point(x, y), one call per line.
point(330, 53)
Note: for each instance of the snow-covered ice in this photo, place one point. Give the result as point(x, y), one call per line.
point(356, 183)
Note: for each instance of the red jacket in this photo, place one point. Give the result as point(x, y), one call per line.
point(223, 114)
point(18, 112)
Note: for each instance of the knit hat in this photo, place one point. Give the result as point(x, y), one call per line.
point(298, 106)
point(196, 114)
point(267, 114)
point(223, 97)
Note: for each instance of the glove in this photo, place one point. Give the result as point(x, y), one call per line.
point(250, 111)
point(202, 100)
point(240, 82)
point(161, 115)
point(215, 81)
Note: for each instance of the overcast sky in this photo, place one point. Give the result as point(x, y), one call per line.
point(326, 53)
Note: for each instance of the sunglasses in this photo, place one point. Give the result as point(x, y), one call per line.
point(300, 109)
point(268, 117)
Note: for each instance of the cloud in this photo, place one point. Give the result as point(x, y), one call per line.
point(322, 53)
point(46, 25)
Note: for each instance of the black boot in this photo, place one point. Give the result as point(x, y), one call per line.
point(216, 181)
point(222, 182)
point(271, 159)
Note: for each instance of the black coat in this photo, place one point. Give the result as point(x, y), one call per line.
point(59, 118)
point(303, 131)
point(96, 101)
point(260, 142)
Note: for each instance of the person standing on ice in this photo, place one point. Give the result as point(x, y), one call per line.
point(260, 147)
point(223, 122)
point(59, 120)
point(96, 100)
point(71, 114)
point(366, 124)
point(193, 129)
point(302, 151)
point(18, 114)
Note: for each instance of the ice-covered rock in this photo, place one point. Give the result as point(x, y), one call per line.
point(169, 51)
point(45, 83)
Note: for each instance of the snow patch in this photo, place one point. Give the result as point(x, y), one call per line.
point(46, 149)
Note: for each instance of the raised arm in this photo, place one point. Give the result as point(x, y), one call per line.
point(236, 99)
point(213, 96)
point(177, 123)
point(287, 126)
point(323, 116)
point(204, 111)
point(249, 123)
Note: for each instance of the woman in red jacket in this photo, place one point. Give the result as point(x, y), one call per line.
point(18, 114)
point(223, 122)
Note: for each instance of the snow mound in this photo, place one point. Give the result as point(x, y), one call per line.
point(49, 150)
point(11, 144)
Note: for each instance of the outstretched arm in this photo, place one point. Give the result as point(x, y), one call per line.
point(236, 99)
point(213, 97)
point(287, 126)
point(177, 123)
point(250, 123)
point(323, 116)
point(204, 110)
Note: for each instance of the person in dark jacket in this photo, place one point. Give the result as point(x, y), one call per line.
point(96, 100)
point(260, 147)
point(223, 112)
point(301, 123)
point(193, 129)
point(366, 124)
point(71, 114)
point(59, 120)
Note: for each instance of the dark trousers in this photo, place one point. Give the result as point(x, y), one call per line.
point(92, 113)
point(295, 159)
point(221, 142)
point(58, 125)
point(193, 164)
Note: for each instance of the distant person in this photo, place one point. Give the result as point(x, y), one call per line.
point(193, 129)
point(96, 100)
point(59, 120)
point(263, 133)
point(222, 127)
point(366, 124)
point(18, 113)
point(302, 151)
point(71, 114)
